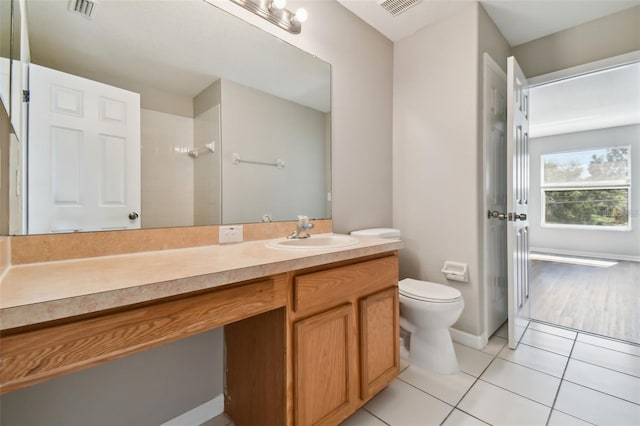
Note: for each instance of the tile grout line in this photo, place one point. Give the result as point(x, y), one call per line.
point(577, 418)
point(516, 393)
point(546, 350)
point(600, 391)
point(455, 406)
point(606, 368)
point(531, 368)
point(476, 380)
point(375, 416)
point(425, 392)
point(562, 379)
point(606, 348)
point(586, 333)
point(448, 415)
point(575, 340)
point(555, 399)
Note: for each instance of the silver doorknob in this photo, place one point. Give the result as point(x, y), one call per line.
point(520, 216)
point(133, 215)
point(496, 215)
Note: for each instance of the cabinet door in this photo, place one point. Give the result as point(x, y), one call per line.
point(379, 335)
point(325, 367)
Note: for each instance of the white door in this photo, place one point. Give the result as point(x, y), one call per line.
point(84, 154)
point(517, 200)
point(495, 194)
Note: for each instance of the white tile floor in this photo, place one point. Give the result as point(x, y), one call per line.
point(555, 377)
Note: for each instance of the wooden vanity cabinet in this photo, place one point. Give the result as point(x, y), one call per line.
point(306, 347)
point(345, 338)
point(325, 366)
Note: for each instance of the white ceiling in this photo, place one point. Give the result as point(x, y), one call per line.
point(179, 46)
point(519, 21)
point(608, 98)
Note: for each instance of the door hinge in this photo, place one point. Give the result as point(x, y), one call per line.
point(26, 96)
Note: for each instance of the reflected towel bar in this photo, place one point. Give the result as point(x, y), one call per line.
point(237, 160)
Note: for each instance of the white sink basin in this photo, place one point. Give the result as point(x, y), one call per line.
point(322, 241)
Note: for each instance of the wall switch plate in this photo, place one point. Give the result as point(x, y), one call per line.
point(230, 234)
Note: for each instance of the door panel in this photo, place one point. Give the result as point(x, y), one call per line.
point(379, 336)
point(84, 154)
point(495, 194)
point(517, 199)
point(325, 367)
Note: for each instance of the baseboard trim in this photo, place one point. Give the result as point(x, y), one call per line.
point(610, 256)
point(467, 339)
point(200, 414)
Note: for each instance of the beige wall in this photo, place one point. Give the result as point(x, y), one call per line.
point(147, 388)
point(617, 244)
point(600, 39)
point(361, 65)
point(207, 171)
point(250, 191)
point(437, 157)
point(166, 169)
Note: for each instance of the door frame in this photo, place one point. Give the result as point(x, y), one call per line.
point(489, 63)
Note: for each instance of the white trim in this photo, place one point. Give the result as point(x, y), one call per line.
point(615, 61)
point(200, 414)
point(491, 63)
point(467, 339)
point(612, 256)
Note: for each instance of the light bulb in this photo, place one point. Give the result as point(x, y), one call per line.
point(301, 15)
point(278, 4)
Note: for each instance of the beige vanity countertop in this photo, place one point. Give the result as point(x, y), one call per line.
point(41, 292)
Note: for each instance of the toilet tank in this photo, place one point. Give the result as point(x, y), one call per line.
point(389, 233)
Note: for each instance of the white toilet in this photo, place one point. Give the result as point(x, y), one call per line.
point(427, 311)
point(431, 308)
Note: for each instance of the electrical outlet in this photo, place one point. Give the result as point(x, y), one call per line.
point(230, 234)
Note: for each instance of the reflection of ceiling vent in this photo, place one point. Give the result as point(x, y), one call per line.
point(396, 7)
point(85, 8)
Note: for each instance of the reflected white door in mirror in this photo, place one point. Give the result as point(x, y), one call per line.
point(84, 155)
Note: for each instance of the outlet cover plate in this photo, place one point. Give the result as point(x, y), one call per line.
point(230, 234)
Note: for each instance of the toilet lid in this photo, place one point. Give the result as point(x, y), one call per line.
point(428, 291)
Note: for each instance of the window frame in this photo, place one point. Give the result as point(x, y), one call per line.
point(573, 187)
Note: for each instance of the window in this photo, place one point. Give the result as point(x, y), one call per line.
point(587, 188)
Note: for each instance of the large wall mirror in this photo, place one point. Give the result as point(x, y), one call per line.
point(149, 113)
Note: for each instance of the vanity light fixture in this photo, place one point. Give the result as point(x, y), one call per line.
point(275, 12)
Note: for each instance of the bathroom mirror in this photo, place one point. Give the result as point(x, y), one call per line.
point(232, 125)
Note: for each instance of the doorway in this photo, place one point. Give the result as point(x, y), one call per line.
point(585, 198)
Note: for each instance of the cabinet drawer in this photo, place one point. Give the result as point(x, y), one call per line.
point(331, 287)
point(41, 354)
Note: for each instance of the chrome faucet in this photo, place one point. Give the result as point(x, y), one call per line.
point(302, 229)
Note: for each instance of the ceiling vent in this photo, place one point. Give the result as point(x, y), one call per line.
point(396, 7)
point(85, 8)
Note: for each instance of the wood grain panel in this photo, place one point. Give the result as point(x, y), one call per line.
point(325, 367)
point(321, 289)
point(41, 354)
point(379, 335)
point(255, 366)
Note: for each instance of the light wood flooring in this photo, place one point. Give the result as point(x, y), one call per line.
point(603, 301)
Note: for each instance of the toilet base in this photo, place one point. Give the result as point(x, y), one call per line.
point(432, 349)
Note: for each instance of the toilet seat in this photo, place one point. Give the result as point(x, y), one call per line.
point(428, 292)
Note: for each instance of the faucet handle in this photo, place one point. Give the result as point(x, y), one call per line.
point(303, 226)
